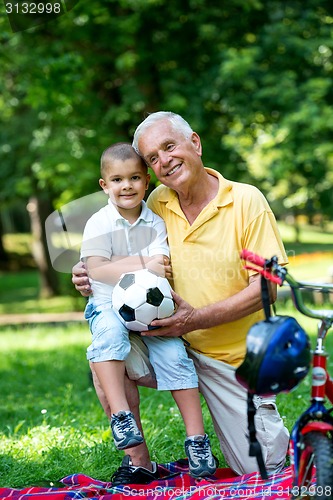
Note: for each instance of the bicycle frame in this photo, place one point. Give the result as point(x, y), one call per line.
point(317, 418)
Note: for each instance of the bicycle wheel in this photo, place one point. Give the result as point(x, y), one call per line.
point(316, 466)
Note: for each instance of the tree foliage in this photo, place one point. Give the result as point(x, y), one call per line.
point(253, 77)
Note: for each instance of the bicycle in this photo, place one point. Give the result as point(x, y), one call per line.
point(311, 439)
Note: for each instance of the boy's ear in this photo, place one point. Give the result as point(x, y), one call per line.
point(102, 183)
point(147, 181)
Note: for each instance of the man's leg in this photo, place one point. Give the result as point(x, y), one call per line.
point(227, 402)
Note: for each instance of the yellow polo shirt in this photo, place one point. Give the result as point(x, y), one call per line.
point(205, 256)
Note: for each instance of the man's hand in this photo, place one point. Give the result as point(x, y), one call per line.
point(183, 321)
point(80, 279)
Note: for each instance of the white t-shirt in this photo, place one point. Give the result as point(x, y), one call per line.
point(107, 233)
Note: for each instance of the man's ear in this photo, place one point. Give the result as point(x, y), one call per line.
point(196, 141)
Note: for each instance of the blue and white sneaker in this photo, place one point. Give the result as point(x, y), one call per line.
point(201, 461)
point(125, 431)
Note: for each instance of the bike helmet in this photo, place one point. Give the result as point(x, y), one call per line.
point(277, 358)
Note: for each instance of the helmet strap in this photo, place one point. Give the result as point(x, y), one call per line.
point(255, 448)
point(265, 298)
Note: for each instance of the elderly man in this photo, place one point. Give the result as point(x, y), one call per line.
point(209, 220)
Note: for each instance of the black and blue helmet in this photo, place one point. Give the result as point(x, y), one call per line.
point(277, 358)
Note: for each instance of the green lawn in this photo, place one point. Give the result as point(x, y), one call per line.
point(312, 257)
point(51, 423)
point(20, 294)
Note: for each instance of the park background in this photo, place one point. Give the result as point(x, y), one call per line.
point(255, 80)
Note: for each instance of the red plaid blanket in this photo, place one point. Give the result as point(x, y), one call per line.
point(174, 484)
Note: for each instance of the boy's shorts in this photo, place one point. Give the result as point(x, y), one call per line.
point(110, 339)
point(173, 368)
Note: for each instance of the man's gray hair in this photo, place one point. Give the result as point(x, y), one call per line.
point(177, 122)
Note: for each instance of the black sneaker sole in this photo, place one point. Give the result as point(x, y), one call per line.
point(131, 444)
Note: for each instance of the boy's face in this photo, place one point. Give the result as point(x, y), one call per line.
point(125, 183)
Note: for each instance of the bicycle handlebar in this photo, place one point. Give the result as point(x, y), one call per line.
point(271, 270)
point(252, 257)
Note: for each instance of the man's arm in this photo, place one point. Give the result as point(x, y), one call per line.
point(187, 318)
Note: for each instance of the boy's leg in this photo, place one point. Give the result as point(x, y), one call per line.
point(227, 402)
point(172, 366)
point(175, 372)
point(188, 402)
point(140, 370)
point(109, 348)
point(111, 375)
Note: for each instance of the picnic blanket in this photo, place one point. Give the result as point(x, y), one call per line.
point(174, 484)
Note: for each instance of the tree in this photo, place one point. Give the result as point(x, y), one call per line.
point(252, 77)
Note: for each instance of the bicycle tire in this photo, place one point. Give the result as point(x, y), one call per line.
point(316, 458)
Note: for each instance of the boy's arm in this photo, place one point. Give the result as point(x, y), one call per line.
point(109, 271)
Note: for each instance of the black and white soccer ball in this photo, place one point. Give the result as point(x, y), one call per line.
point(141, 296)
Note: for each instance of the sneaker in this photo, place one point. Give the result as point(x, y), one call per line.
point(125, 432)
point(201, 461)
point(130, 474)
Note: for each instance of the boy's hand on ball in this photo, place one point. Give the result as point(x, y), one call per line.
point(156, 265)
point(167, 268)
point(160, 265)
point(181, 322)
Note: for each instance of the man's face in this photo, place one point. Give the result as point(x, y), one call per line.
point(174, 158)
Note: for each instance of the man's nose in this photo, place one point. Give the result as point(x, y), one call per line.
point(164, 157)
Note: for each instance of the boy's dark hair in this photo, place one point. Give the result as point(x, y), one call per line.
point(120, 151)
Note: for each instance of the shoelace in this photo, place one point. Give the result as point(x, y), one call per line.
point(123, 474)
point(124, 423)
point(200, 449)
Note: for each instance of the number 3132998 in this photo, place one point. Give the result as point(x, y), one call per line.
point(33, 8)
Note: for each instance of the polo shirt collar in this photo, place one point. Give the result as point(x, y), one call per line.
point(146, 214)
point(222, 199)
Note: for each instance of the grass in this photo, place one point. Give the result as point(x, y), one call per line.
point(51, 422)
point(20, 294)
point(312, 257)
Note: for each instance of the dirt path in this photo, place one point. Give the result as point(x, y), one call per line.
point(24, 319)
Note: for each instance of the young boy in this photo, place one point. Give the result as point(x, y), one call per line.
point(126, 236)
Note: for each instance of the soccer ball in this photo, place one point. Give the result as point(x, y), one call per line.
point(139, 297)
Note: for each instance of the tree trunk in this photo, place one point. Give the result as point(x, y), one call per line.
point(4, 258)
point(39, 209)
